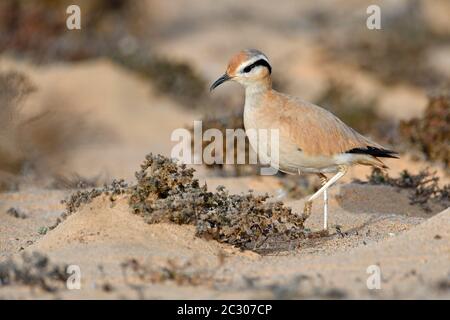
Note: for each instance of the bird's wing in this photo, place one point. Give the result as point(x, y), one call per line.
point(317, 131)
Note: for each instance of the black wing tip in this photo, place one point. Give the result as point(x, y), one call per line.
point(376, 152)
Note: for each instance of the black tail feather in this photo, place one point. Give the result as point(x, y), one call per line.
point(376, 152)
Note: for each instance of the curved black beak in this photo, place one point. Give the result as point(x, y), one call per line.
point(219, 81)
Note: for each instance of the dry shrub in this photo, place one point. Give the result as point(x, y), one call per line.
point(84, 196)
point(34, 270)
point(176, 78)
point(430, 134)
point(295, 287)
point(48, 136)
point(171, 270)
point(80, 197)
point(35, 144)
point(167, 192)
point(16, 213)
point(14, 87)
point(424, 187)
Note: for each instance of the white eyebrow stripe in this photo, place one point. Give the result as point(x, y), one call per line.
point(252, 60)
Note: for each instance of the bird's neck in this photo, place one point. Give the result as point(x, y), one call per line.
point(256, 90)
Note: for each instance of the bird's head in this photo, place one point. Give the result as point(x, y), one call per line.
point(248, 67)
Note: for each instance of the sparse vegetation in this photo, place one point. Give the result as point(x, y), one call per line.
point(424, 187)
point(35, 270)
point(167, 192)
point(42, 230)
point(84, 196)
point(174, 78)
point(179, 272)
point(430, 134)
point(14, 87)
point(117, 187)
point(298, 287)
point(31, 144)
point(17, 213)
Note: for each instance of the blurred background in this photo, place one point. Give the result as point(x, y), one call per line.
point(85, 106)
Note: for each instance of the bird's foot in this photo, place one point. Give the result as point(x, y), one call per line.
point(323, 179)
point(307, 210)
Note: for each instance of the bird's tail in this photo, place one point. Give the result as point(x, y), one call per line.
point(375, 152)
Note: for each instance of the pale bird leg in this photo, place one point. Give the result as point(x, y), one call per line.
point(329, 183)
point(323, 180)
point(325, 209)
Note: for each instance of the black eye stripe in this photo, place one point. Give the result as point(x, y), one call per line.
point(260, 62)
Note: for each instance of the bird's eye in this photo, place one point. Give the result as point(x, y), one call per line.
point(247, 69)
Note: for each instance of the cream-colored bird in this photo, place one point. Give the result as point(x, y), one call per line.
point(311, 139)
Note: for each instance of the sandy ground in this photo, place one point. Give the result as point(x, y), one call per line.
point(410, 247)
point(378, 225)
